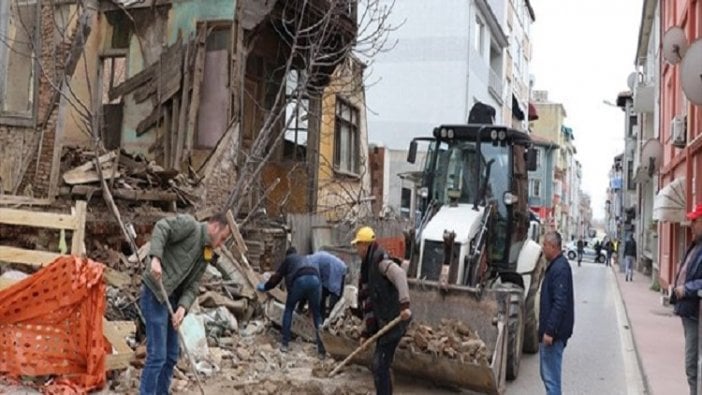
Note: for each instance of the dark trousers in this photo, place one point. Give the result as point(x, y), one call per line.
point(304, 288)
point(382, 360)
point(162, 348)
point(690, 328)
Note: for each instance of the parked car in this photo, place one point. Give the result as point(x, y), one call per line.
point(571, 251)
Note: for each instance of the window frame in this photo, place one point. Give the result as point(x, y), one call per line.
point(338, 121)
point(8, 118)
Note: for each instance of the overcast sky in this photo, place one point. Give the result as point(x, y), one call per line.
point(583, 52)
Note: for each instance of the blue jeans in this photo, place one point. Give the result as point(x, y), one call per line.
point(307, 287)
point(629, 266)
point(551, 360)
point(162, 348)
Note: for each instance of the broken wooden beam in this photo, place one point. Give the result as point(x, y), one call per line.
point(197, 85)
point(127, 194)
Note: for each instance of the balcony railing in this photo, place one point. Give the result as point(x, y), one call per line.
point(495, 85)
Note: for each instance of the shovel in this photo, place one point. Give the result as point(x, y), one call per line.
point(366, 343)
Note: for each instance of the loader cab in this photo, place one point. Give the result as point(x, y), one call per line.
point(480, 166)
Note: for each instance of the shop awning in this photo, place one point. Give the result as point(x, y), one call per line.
point(669, 204)
point(533, 113)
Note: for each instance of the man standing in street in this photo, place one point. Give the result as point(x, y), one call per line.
point(181, 248)
point(332, 273)
point(302, 282)
point(383, 296)
point(581, 248)
point(556, 315)
point(687, 282)
point(629, 257)
point(609, 249)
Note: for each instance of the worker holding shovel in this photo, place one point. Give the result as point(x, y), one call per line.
point(383, 296)
point(181, 248)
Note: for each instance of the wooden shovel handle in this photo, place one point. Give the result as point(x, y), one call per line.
point(366, 343)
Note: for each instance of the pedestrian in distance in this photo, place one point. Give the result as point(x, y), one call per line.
point(181, 249)
point(609, 249)
point(688, 282)
point(332, 273)
point(598, 250)
point(303, 283)
point(556, 315)
point(383, 296)
point(629, 258)
point(581, 248)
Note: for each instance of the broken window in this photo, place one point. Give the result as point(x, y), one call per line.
point(19, 21)
point(296, 118)
point(346, 138)
point(114, 72)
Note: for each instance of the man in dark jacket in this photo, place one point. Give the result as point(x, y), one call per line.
point(181, 248)
point(581, 248)
point(383, 296)
point(556, 315)
point(629, 258)
point(687, 282)
point(303, 283)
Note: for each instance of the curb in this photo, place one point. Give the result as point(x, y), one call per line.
point(644, 377)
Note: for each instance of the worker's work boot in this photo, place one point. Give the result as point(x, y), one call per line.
point(284, 348)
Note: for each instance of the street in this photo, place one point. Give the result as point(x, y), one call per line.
point(599, 358)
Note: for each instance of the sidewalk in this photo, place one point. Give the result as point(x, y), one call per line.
point(658, 336)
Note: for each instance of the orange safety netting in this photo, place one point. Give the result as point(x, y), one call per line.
point(51, 324)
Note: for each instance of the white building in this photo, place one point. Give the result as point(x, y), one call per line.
point(449, 55)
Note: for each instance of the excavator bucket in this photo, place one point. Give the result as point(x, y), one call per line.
point(430, 305)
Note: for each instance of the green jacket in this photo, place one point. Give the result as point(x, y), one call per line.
point(179, 242)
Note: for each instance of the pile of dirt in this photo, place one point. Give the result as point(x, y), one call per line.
point(452, 338)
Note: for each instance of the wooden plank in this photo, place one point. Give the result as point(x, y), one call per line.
point(14, 200)
point(36, 219)
point(134, 82)
point(89, 165)
point(90, 176)
point(182, 114)
point(27, 257)
point(148, 122)
point(236, 235)
point(115, 278)
point(119, 361)
point(197, 85)
point(127, 194)
point(77, 239)
point(116, 331)
point(175, 117)
point(166, 130)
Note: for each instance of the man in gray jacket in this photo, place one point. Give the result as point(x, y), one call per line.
point(181, 248)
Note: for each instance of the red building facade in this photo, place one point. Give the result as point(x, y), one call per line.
point(679, 162)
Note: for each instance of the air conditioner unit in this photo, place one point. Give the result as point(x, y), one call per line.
point(679, 131)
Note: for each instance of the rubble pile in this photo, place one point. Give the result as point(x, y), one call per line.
point(131, 176)
point(452, 338)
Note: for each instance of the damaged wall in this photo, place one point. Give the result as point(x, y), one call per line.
point(341, 188)
point(17, 145)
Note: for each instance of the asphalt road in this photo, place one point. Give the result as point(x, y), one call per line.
point(594, 359)
point(599, 358)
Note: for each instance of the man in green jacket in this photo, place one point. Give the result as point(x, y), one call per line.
point(181, 248)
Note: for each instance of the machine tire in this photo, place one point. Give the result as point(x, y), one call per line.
point(515, 325)
point(531, 311)
point(572, 255)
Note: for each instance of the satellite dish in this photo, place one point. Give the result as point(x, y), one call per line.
point(691, 72)
point(674, 45)
point(652, 155)
point(631, 80)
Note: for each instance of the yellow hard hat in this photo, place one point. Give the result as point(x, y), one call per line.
point(364, 235)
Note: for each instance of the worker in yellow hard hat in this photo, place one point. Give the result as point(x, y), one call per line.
point(380, 302)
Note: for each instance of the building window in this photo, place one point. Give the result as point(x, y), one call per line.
point(479, 35)
point(631, 185)
point(19, 22)
point(406, 202)
point(296, 118)
point(346, 138)
point(535, 187)
point(538, 158)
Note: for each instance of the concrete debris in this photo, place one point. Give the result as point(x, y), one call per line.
point(253, 328)
point(452, 339)
point(219, 322)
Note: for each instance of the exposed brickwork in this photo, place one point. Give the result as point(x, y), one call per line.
point(53, 52)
